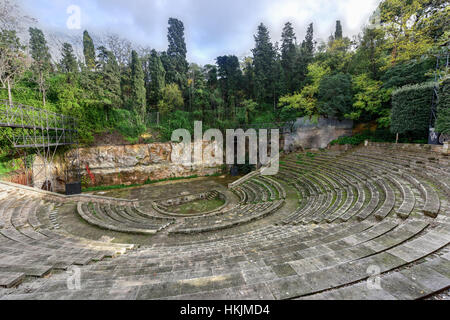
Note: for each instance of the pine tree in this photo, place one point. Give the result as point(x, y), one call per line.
point(89, 51)
point(68, 62)
point(338, 32)
point(138, 91)
point(41, 60)
point(110, 75)
point(230, 76)
point(211, 76)
point(263, 61)
point(288, 55)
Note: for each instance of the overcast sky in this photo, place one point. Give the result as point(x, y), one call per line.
point(212, 27)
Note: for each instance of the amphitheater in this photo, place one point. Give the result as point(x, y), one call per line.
point(371, 222)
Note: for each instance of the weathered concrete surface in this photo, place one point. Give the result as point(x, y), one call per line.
point(309, 134)
point(133, 164)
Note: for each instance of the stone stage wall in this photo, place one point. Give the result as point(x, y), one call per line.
point(130, 164)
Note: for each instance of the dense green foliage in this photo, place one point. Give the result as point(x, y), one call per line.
point(411, 107)
point(112, 87)
point(335, 95)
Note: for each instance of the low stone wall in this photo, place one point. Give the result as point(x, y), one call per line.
point(400, 147)
point(411, 147)
point(131, 164)
point(315, 135)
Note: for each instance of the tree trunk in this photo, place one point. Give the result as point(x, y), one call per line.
point(43, 96)
point(9, 93)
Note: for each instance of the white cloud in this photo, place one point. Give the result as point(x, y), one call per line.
point(213, 27)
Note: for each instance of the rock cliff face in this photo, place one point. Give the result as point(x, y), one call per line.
point(314, 135)
point(135, 164)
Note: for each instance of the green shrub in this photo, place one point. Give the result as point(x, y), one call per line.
point(354, 141)
point(411, 107)
point(443, 120)
point(128, 124)
point(380, 135)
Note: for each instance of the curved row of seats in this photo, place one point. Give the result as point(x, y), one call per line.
point(241, 214)
point(28, 248)
point(122, 218)
point(404, 176)
point(333, 189)
point(259, 189)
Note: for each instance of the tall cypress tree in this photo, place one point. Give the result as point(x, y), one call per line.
point(89, 51)
point(338, 32)
point(249, 77)
point(68, 61)
point(305, 55)
point(41, 60)
point(308, 43)
point(263, 61)
point(178, 67)
point(157, 79)
point(138, 91)
point(278, 77)
point(288, 55)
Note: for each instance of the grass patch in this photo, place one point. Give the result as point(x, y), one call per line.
point(198, 206)
point(6, 165)
point(218, 174)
